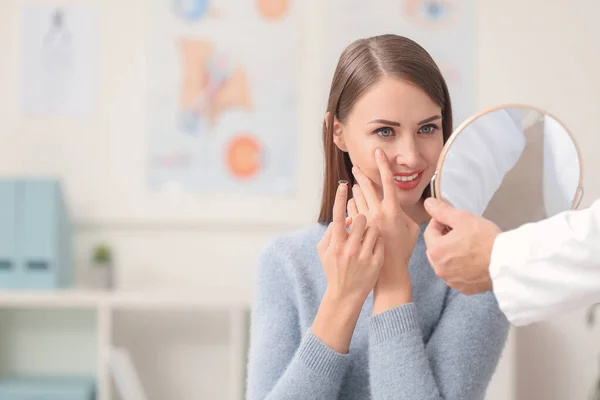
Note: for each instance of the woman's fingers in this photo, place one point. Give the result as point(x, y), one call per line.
point(367, 188)
point(325, 241)
point(339, 233)
point(387, 177)
point(359, 223)
point(359, 199)
point(369, 240)
point(352, 209)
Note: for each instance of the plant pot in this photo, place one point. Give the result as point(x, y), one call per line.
point(100, 276)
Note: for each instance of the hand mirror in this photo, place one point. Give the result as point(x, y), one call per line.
point(512, 164)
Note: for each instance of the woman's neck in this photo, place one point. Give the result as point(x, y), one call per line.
point(417, 212)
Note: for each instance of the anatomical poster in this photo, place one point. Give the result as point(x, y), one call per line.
point(222, 95)
point(57, 48)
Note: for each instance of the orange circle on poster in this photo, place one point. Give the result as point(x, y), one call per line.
point(273, 9)
point(244, 156)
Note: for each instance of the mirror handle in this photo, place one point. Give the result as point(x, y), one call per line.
point(447, 229)
point(578, 198)
point(432, 185)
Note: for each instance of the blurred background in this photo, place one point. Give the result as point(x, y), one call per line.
point(150, 148)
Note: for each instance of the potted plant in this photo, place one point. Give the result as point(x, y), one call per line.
point(591, 321)
point(101, 268)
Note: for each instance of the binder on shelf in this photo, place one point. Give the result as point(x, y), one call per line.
point(8, 212)
point(43, 235)
point(37, 254)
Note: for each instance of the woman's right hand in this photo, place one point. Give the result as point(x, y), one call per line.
point(351, 261)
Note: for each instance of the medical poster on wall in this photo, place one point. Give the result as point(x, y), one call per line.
point(222, 96)
point(58, 47)
point(445, 28)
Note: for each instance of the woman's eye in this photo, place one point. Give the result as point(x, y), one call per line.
point(428, 129)
point(385, 132)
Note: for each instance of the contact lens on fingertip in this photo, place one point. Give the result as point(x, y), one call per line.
point(343, 182)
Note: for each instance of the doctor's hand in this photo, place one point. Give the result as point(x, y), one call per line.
point(398, 231)
point(461, 257)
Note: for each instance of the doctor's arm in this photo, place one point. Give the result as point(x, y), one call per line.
point(536, 271)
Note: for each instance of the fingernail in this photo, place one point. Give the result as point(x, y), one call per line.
point(379, 153)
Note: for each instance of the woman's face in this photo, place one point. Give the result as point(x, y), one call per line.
point(400, 119)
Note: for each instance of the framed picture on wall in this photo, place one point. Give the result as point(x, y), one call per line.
point(214, 121)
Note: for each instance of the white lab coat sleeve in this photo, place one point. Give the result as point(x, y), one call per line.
point(548, 267)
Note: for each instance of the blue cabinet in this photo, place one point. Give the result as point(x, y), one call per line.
point(35, 235)
point(8, 239)
point(47, 388)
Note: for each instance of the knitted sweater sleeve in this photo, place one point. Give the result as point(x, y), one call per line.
point(285, 363)
point(457, 362)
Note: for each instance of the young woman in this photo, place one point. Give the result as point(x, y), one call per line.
point(350, 308)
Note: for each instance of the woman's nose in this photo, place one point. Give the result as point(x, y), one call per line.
point(407, 153)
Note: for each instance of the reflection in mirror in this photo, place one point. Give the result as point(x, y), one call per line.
point(513, 165)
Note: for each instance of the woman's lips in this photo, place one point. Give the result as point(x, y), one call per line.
point(408, 180)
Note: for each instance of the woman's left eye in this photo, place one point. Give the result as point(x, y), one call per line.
point(428, 129)
point(385, 132)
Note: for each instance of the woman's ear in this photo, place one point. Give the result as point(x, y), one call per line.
point(337, 132)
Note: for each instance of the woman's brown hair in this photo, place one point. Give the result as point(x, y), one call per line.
point(362, 64)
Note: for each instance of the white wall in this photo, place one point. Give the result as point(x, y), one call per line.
point(543, 52)
point(546, 52)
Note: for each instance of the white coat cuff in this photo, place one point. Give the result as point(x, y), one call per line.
point(509, 254)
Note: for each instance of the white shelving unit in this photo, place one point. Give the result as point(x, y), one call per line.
point(115, 316)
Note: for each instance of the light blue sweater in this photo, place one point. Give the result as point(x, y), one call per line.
point(444, 345)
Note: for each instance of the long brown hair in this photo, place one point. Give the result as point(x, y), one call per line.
point(362, 64)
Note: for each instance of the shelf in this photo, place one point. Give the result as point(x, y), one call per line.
point(156, 300)
point(41, 341)
point(51, 299)
point(202, 299)
point(161, 343)
point(182, 328)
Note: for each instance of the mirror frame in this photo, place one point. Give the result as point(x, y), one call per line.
point(434, 184)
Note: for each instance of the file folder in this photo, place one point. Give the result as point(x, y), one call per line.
point(35, 235)
point(43, 235)
point(8, 215)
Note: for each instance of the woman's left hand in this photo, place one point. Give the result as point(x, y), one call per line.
point(398, 231)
